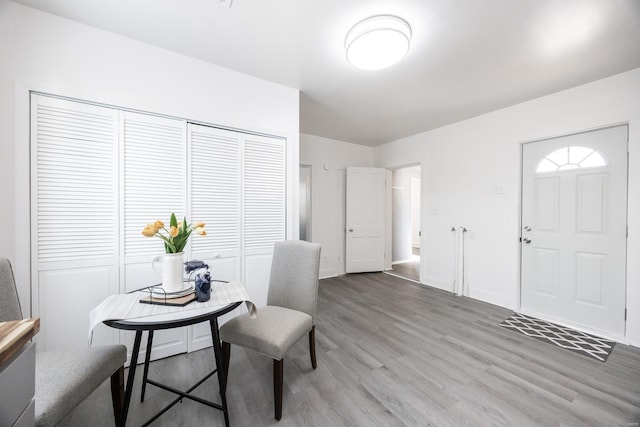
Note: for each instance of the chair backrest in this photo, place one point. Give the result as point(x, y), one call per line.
point(294, 276)
point(9, 302)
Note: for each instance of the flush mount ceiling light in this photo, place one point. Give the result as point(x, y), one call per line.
point(377, 42)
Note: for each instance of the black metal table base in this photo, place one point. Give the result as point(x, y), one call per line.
point(150, 327)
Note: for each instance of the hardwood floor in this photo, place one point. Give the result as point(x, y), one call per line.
point(394, 353)
point(409, 270)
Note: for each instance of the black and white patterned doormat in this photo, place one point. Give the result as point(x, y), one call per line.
point(570, 339)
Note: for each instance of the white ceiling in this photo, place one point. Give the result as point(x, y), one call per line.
point(467, 57)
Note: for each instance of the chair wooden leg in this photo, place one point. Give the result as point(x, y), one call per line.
point(278, 372)
point(226, 356)
point(117, 394)
point(312, 346)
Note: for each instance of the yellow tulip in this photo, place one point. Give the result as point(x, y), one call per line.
point(149, 231)
point(176, 236)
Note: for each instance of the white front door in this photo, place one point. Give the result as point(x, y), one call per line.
point(574, 216)
point(365, 219)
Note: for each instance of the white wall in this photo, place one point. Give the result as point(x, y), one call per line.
point(471, 177)
point(45, 53)
point(328, 194)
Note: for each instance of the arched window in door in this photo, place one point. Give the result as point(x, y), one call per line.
point(571, 157)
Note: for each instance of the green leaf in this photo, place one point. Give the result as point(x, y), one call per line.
point(173, 222)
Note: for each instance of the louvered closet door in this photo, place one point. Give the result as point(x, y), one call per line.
point(214, 156)
point(264, 207)
point(74, 218)
point(154, 182)
point(99, 175)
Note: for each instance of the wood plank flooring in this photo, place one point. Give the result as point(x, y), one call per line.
point(410, 270)
point(394, 353)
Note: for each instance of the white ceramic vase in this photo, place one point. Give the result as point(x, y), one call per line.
point(169, 267)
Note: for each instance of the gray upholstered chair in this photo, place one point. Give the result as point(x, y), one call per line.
point(65, 378)
point(288, 316)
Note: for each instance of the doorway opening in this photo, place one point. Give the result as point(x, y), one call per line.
point(305, 202)
point(406, 228)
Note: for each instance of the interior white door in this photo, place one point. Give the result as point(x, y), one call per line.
point(365, 219)
point(574, 204)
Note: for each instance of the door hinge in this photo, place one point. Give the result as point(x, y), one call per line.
point(625, 314)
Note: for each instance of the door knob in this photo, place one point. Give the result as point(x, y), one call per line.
point(351, 230)
point(526, 240)
point(527, 228)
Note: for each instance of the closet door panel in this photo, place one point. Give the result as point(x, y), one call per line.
point(264, 210)
point(154, 179)
point(68, 296)
point(153, 185)
point(99, 175)
point(74, 217)
point(215, 199)
point(215, 191)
